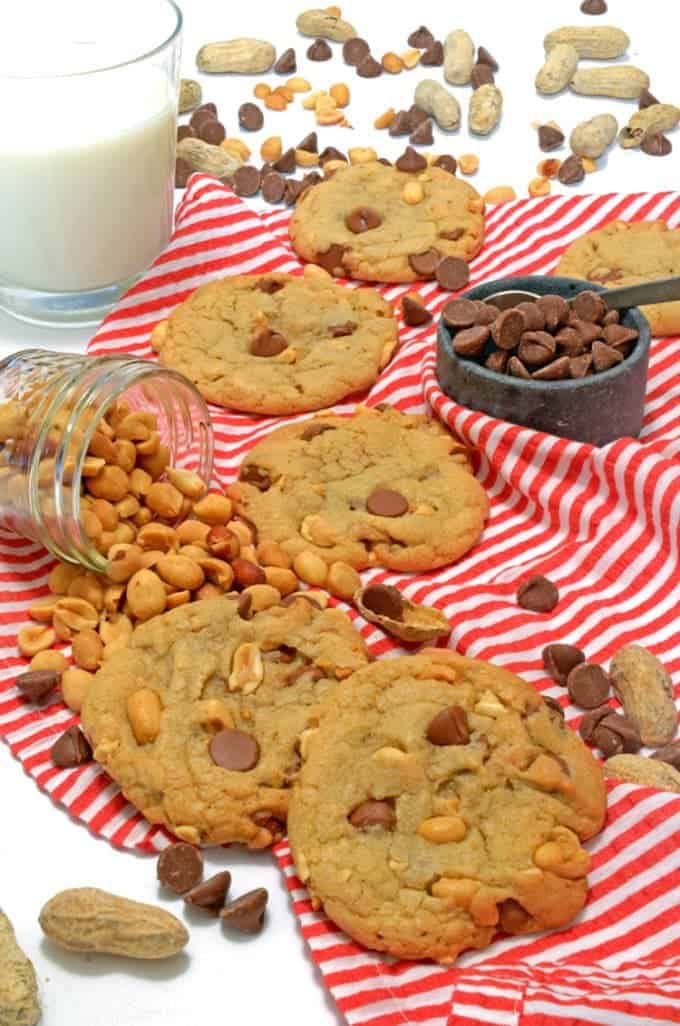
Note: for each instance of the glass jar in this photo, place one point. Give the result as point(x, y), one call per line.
point(51, 404)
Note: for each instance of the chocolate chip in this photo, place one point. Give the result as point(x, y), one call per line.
point(557, 370)
point(330, 153)
point(314, 429)
point(579, 366)
point(571, 171)
point(385, 502)
point(362, 219)
point(286, 162)
point(342, 330)
point(536, 348)
point(210, 894)
point(612, 317)
point(508, 328)
point(243, 606)
point(497, 361)
point(625, 729)
point(212, 132)
point(670, 753)
point(71, 749)
point(234, 750)
point(549, 138)
point(250, 117)
point(618, 334)
point(368, 67)
point(420, 38)
point(372, 813)
point(513, 917)
point(570, 341)
point(416, 115)
point(449, 727)
point(246, 180)
point(185, 132)
point(269, 286)
point(656, 145)
point(311, 178)
point(560, 659)
point(37, 685)
point(591, 720)
point(608, 741)
point(452, 235)
point(470, 342)
point(202, 115)
point(433, 57)
point(319, 51)
point(554, 707)
point(517, 369)
point(246, 913)
point(414, 313)
point(183, 171)
point(537, 594)
point(646, 99)
point(253, 475)
point(210, 107)
point(555, 310)
point(331, 260)
point(460, 313)
point(422, 134)
point(593, 7)
point(310, 143)
point(452, 273)
point(293, 191)
point(586, 330)
point(273, 187)
point(447, 163)
point(287, 63)
point(605, 356)
point(588, 685)
point(589, 306)
point(480, 75)
point(267, 343)
point(484, 57)
point(180, 867)
point(383, 600)
point(411, 161)
point(400, 125)
point(354, 50)
point(425, 264)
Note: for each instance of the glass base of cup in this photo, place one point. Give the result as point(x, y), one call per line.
point(61, 309)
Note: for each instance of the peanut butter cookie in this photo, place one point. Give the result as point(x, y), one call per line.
point(362, 224)
point(278, 344)
point(442, 801)
point(200, 720)
point(629, 253)
point(379, 488)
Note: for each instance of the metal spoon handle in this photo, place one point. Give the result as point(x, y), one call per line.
point(663, 290)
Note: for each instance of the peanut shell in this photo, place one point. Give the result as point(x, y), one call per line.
point(211, 160)
point(324, 24)
point(434, 99)
point(484, 112)
point(190, 94)
point(418, 623)
point(598, 42)
point(591, 138)
point(19, 1004)
point(560, 64)
point(644, 688)
point(87, 919)
point(459, 55)
point(623, 81)
point(243, 55)
point(637, 769)
point(659, 117)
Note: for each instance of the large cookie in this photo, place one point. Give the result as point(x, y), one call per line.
point(628, 253)
point(278, 344)
point(235, 697)
point(446, 219)
point(442, 801)
point(379, 488)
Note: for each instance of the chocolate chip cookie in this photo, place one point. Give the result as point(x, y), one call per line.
point(359, 225)
point(200, 720)
point(629, 253)
point(278, 344)
point(379, 488)
point(441, 802)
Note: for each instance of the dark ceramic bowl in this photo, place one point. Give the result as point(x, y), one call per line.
point(597, 409)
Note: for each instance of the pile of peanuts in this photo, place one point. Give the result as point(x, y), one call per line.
point(168, 541)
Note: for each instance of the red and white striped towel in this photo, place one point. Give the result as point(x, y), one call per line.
point(601, 523)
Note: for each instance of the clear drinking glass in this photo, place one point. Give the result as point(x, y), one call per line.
point(87, 151)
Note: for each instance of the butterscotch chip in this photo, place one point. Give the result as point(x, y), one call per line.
point(380, 793)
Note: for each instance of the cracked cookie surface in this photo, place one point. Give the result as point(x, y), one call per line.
point(381, 253)
point(276, 343)
point(256, 700)
point(629, 253)
point(441, 802)
point(379, 488)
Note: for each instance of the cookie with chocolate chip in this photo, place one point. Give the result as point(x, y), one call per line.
point(357, 224)
point(200, 718)
point(440, 802)
point(379, 488)
point(276, 343)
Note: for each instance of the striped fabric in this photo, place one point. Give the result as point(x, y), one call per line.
point(601, 523)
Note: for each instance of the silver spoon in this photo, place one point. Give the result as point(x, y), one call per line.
point(663, 290)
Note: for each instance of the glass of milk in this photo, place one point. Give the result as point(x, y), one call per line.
point(87, 152)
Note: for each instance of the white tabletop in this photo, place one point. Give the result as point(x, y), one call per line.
point(270, 977)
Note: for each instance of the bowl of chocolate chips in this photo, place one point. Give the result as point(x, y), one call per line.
point(562, 361)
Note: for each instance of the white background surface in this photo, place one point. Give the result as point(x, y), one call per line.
point(270, 977)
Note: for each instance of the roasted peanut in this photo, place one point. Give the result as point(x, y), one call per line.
point(468, 164)
point(72, 615)
point(500, 194)
point(272, 148)
point(247, 670)
point(87, 649)
point(442, 829)
point(74, 686)
point(298, 85)
point(342, 580)
point(539, 187)
point(270, 553)
point(34, 639)
point(262, 596)
point(117, 627)
point(361, 154)
point(392, 63)
point(340, 93)
point(459, 53)
point(303, 158)
point(283, 580)
point(385, 120)
point(49, 659)
point(180, 571)
point(410, 58)
point(213, 509)
point(193, 532)
point(123, 562)
point(61, 576)
point(42, 610)
point(310, 568)
point(236, 147)
point(144, 713)
point(111, 483)
point(219, 573)
point(146, 595)
point(165, 500)
point(214, 715)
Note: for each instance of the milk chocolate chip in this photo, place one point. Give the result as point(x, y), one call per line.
point(268, 343)
point(449, 727)
point(71, 749)
point(385, 502)
point(37, 685)
point(373, 814)
point(537, 594)
point(560, 659)
point(234, 750)
point(425, 264)
point(354, 51)
point(363, 219)
point(210, 895)
point(180, 867)
point(246, 914)
point(588, 685)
